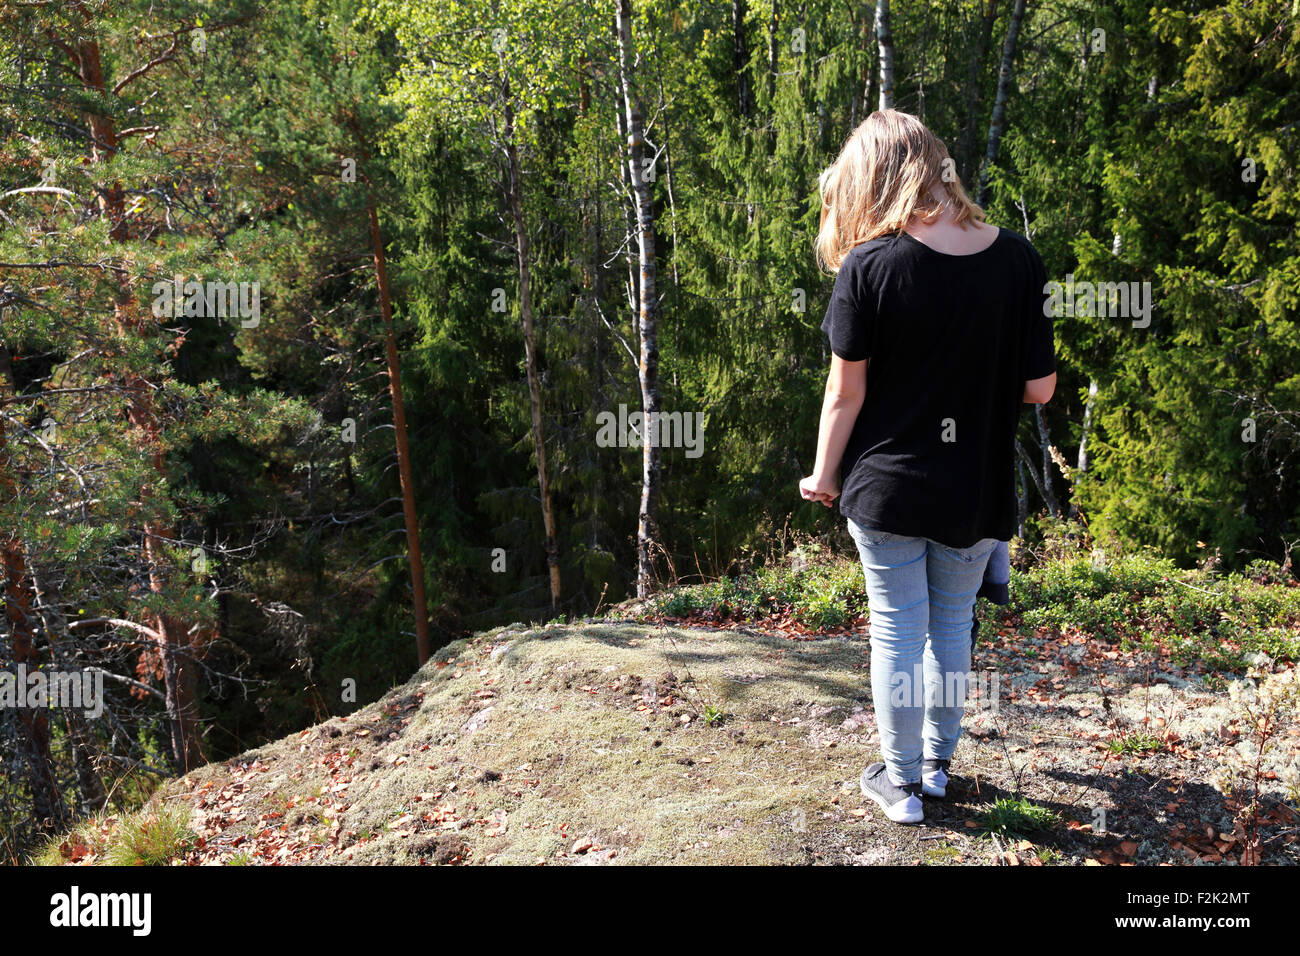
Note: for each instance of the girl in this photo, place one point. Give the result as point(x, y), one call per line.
point(949, 314)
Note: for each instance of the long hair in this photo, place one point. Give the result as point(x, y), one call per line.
point(880, 180)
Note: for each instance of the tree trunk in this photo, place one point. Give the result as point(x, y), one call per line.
point(33, 722)
point(91, 795)
point(649, 364)
point(885, 39)
point(1022, 497)
point(420, 603)
point(584, 88)
point(1023, 458)
point(998, 121)
point(740, 58)
point(90, 786)
point(1045, 441)
point(1116, 244)
point(515, 198)
point(1082, 462)
point(974, 97)
point(861, 104)
point(180, 668)
point(175, 649)
point(625, 180)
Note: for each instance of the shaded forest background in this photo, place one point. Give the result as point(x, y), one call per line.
point(218, 512)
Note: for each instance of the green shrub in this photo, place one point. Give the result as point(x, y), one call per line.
point(1213, 622)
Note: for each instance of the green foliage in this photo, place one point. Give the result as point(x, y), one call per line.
point(1195, 439)
point(822, 596)
point(1017, 817)
point(152, 836)
point(1134, 743)
point(1206, 619)
point(1203, 620)
point(1125, 161)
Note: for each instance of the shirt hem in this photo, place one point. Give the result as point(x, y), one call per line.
point(890, 527)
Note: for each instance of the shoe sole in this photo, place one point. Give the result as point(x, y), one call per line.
point(897, 816)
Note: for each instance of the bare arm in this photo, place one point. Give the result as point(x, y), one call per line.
point(1039, 390)
point(846, 388)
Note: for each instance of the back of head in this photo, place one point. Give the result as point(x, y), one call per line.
point(882, 178)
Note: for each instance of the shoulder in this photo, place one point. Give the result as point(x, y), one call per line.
point(1021, 246)
point(1016, 239)
point(872, 253)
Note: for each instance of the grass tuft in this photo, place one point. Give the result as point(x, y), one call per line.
point(148, 837)
point(1017, 817)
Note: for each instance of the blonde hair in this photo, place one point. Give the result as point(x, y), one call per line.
point(880, 181)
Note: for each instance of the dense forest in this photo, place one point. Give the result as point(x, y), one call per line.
point(330, 330)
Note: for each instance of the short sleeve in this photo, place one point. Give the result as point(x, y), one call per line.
point(851, 312)
point(1040, 348)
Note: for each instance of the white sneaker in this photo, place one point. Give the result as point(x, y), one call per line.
point(901, 804)
point(934, 778)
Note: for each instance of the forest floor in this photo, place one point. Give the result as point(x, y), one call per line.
point(621, 741)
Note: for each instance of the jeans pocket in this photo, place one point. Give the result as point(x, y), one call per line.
point(979, 551)
point(869, 537)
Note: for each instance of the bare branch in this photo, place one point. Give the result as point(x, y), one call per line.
point(141, 71)
point(118, 622)
point(45, 190)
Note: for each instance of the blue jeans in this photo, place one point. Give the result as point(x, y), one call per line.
point(921, 595)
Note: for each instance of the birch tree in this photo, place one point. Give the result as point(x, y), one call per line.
point(648, 306)
point(885, 42)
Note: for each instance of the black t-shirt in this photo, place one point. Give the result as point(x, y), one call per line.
point(951, 341)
